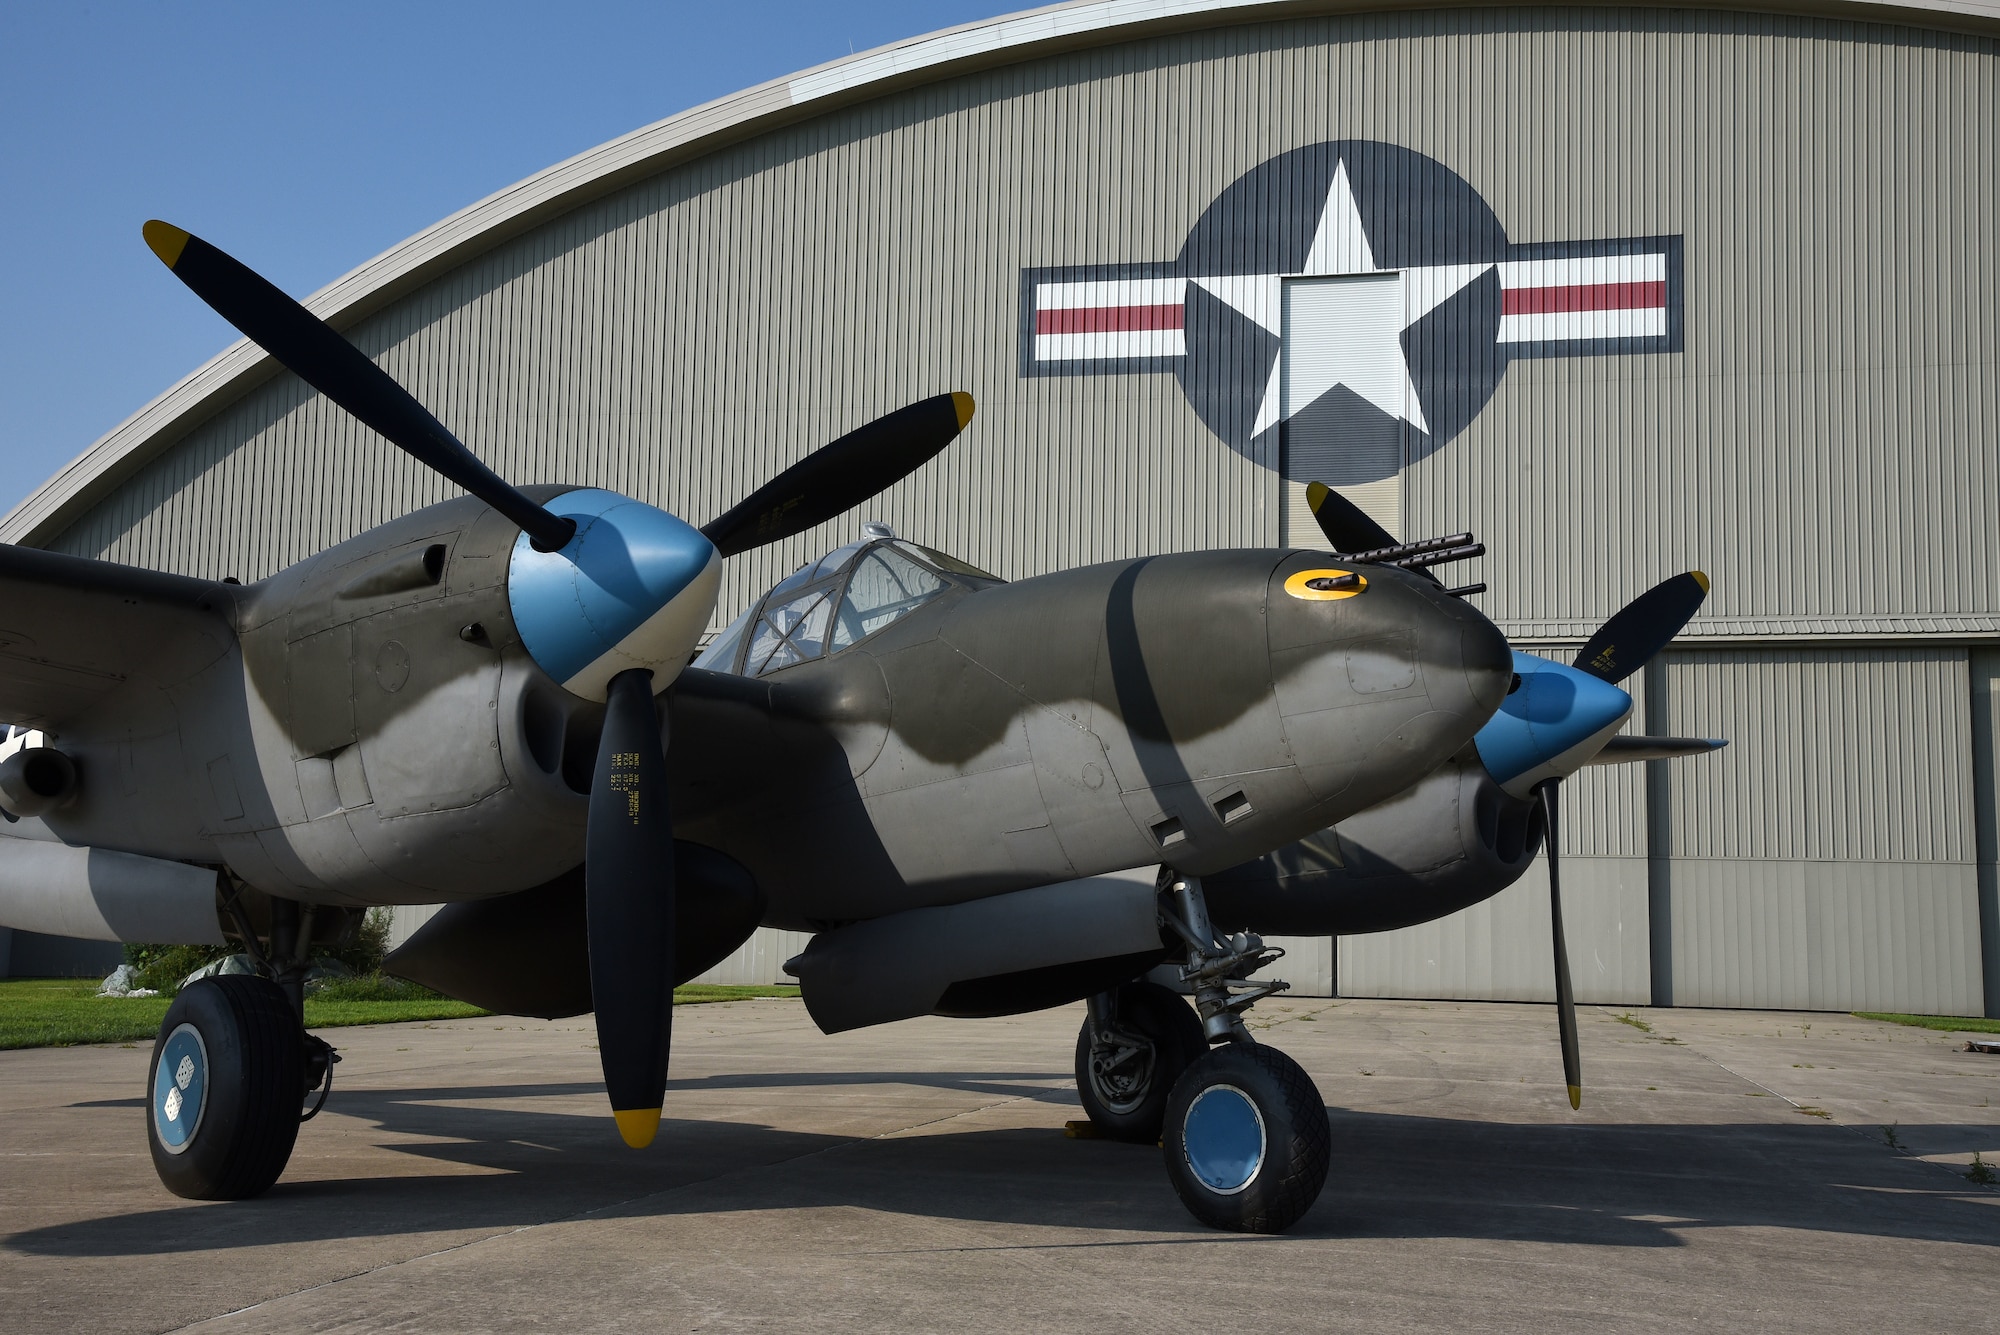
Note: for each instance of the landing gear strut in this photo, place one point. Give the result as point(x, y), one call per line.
point(233, 1065)
point(1242, 1127)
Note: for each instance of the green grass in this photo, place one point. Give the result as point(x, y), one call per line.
point(1965, 1024)
point(697, 994)
point(63, 1012)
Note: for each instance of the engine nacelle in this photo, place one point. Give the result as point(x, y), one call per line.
point(529, 953)
point(1453, 840)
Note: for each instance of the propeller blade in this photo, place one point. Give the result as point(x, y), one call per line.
point(841, 474)
point(1623, 749)
point(1640, 629)
point(313, 351)
point(1565, 998)
point(1343, 523)
point(629, 906)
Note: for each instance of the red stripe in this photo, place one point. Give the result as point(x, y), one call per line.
point(1107, 319)
point(1583, 297)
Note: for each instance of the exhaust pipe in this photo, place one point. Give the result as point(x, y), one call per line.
point(36, 781)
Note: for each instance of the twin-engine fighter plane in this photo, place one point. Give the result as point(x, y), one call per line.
point(935, 771)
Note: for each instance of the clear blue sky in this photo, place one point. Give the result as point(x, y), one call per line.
point(305, 139)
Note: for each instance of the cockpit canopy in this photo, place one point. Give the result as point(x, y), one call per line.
point(842, 598)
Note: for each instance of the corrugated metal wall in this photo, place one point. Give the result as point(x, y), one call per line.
point(1825, 860)
point(1829, 860)
point(1823, 446)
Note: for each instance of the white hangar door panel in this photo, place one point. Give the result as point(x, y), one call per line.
point(1344, 398)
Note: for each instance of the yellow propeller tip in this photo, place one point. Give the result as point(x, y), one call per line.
point(961, 403)
point(167, 241)
point(1575, 1098)
point(1700, 579)
point(1316, 494)
point(638, 1125)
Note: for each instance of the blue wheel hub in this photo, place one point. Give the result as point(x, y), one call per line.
point(1223, 1138)
point(180, 1089)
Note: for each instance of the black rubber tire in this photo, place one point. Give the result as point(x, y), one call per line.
point(1161, 1015)
point(252, 1089)
point(1297, 1144)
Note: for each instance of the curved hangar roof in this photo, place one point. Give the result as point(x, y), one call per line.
point(678, 139)
point(1791, 202)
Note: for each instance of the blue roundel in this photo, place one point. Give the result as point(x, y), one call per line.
point(1555, 709)
point(1223, 1138)
point(634, 588)
point(180, 1088)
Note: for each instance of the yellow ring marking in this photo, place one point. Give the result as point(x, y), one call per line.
point(1296, 586)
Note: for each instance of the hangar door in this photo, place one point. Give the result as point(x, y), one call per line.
point(1345, 398)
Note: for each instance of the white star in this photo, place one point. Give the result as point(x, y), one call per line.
point(1340, 246)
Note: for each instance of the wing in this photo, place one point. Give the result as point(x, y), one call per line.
point(73, 630)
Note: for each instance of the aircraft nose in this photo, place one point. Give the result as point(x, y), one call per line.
point(1487, 660)
point(1550, 724)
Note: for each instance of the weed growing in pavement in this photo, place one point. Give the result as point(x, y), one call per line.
point(1890, 1138)
point(1635, 1022)
point(1981, 1171)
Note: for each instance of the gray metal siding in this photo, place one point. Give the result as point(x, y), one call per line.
point(1827, 858)
point(685, 337)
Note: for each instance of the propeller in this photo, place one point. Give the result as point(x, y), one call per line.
point(1565, 998)
point(1558, 718)
point(841, 474)
point(1643, 627)
point(1343, 522)
point(628, 873)
point(609, 596)
point(312, 350)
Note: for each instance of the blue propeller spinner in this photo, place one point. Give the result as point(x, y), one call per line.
point(1550, 725)
point(634, 588)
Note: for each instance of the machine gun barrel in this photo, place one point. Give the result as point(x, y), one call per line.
point(1423, 560)
point(1389, 556)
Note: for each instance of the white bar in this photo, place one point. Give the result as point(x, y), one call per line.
point(1116, 344)
point(1584, 271)
point(1110, 292)
point(1570, 326)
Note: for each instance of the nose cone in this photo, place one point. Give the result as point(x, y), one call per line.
point(1380, 686)
point(1558, 719)
point(633, 589)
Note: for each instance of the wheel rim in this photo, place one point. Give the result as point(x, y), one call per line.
point(1223, 1139)
point(180, 1089)
point(1122, 1075)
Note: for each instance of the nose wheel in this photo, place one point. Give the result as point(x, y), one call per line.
point(1244, 1131)
point(1246, 1140)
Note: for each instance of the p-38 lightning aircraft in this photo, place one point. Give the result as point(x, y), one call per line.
point(488, 704)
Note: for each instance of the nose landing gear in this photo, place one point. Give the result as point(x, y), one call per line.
point(1241, 1125)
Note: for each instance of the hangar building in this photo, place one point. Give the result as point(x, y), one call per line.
point(1624, 290)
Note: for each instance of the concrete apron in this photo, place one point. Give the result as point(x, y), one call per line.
point(916, 1177)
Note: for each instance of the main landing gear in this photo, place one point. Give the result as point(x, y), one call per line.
point(232, 1069)
point(1242, 1126)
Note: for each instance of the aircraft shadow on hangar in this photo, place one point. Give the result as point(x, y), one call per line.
point(1626, 1185)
